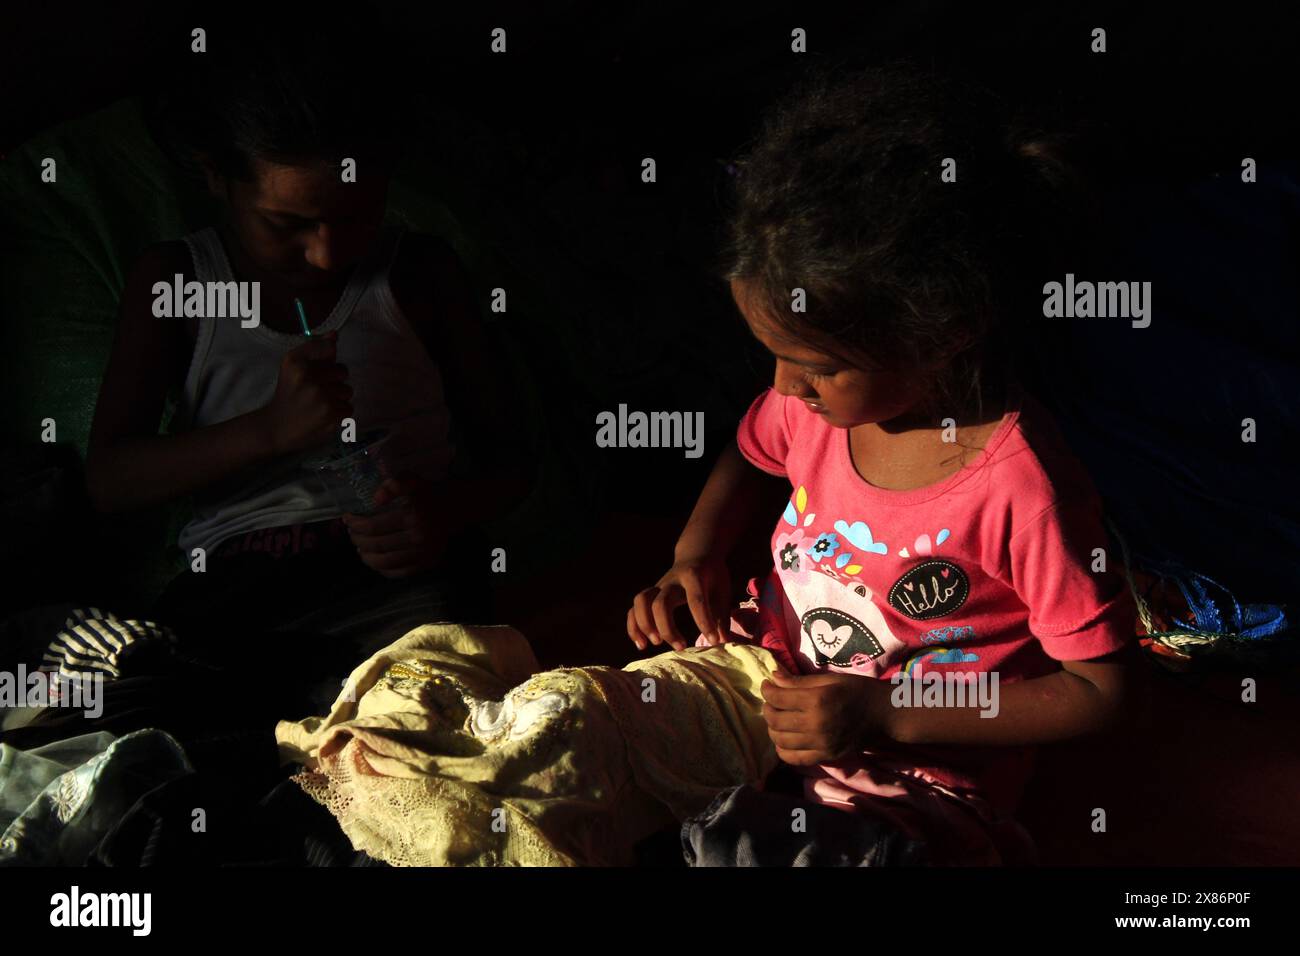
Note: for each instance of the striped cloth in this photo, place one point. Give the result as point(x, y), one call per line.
point(95, 642)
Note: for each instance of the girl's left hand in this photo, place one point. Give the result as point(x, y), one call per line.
point(406, 540)
point(817, 718)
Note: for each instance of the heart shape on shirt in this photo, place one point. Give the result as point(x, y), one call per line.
point(860, 535)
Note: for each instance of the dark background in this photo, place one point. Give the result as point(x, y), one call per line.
point(1174, 79)
point(544, 146)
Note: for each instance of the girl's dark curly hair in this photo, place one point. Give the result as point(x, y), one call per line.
point(841, 195)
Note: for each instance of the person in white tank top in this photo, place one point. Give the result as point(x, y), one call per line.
point(395, 340)
point(234, 370)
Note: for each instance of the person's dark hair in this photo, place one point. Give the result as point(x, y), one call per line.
point(290, 94)
point(842, 195)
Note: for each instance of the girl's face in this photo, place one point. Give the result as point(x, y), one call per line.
point(844, 393)
point(303, 223)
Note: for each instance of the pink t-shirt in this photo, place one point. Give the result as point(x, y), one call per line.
point(989, 570)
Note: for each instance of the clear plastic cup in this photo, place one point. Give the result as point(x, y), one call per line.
point(353, 471)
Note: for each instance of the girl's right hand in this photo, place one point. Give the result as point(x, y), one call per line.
point(702, 583)
point(311, 398)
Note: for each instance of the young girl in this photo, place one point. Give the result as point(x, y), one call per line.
point(391, 321)
point(936, 527)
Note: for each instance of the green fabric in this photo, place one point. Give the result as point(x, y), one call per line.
point(58, 801)
point(65, 249)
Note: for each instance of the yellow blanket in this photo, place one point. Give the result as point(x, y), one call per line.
point(448, 748)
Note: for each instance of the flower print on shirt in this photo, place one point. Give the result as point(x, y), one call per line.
point(840, 627)
point(791, 559)
point(824, 547)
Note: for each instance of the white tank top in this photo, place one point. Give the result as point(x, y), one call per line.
point(233, 371)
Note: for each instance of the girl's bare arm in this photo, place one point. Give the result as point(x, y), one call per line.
point(732, 499)
point(1086, 697)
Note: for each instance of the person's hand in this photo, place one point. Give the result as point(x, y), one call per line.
point(311, 398)
point(817, 718)
point(703, 584)
point(404, 540)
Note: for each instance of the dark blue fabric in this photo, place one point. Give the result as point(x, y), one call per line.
point(1156, 413)
point(745, 826)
